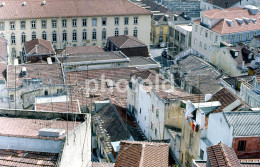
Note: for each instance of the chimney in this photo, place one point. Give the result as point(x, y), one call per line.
point(208, 97)
point(24, 4)
point(36, 49)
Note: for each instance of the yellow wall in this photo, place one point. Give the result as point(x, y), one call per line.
point(156, 33)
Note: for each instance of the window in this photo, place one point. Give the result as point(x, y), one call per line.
point(59, 91)
point(200, 44)
point(33, 24)
point(176, 35)
point(44, 35)
point(205, 46)
point(140, 110)
point(44, 23)
point(12, 38)
point(135, 34)
point(54, 36)
point(2, 25)
point(46, 93)
point(201, 31)
point(161, 30)
point(84, 35)
point(151, 126)
point(94, 34)
point(247, 36)
point(155, 131)
point(12, 98)
point(190, 141)
point(211, 35)
point(254, 34)
point(135, 20)
point(216, 38)
point(196, 28)
point(104, 21)
point(232, 38)
point(94, 22)
point(126, 31)
point(33, 35)
point(240, 37)
point(195, 40)
point(126, 20)
point(116, 32)
point(23, 37)
point(241, 145)
point(157, 113)
point(54, 23)
point(206, 33)
point(152, 108)
point(74, 35)
point(201, 154)
point(64, 35)
point(104, 33)
point(22, 24)
point(116, 20)
point(74, 22)
point(64, 22)
point(84, 22)
point(12, 25)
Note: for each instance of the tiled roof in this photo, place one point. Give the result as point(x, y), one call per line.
point(222, 3)
point(247, 79)
point(102, 164)
point(145, 154)
point(51, 74)
point(244, 123)
point(200, 74)
point(65, 8)
point(77, 82)
point(3, 50)
point(23, 127)
point(38, 47)
point(27, 158)
point(232, 14)
point(222, 155)
point(150, 77)
point(126, 41)
point(93, 57)
point(82, 50)
point(73, 106)
point(139, 60)
point(2, 70)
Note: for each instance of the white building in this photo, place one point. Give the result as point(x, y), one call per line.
point(75, 23)
point(229, 26)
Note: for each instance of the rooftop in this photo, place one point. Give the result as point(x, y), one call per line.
point(244, 123)
point(73, 106)
point(126, 41)
point(47, 74)
point(222, 155)
point(134, 153)
point(57, 9)
point(186, 27)
point(29, 128)
point(141, 61)
point(75, 50)
point(93, 57)
point(222, 3)
point(38, 47)
point(249, 21)
point(247, 80)
point(27, 158)
point(102, 164)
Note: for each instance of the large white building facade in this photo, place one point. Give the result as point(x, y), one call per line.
point(74, 23)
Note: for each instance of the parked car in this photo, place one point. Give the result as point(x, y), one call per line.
point(164, 53)
point(162, 44)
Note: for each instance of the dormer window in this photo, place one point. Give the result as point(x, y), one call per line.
point(240, 21)
point(254, 20)
point(247, 20)
point(230, 22)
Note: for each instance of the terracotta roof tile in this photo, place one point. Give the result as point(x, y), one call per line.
point(27, 158)
point(38, 46)
point(82, 50)
point(222, 155)
point(145, 154)
point(73, 106)
point(126, 41)
point(102, 164)
point(23, 127)
point(66, 8)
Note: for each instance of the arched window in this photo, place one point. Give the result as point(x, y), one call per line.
point(84, 35)
point(64, 35)
point(23, 37)
point(116, 32)
point(54, 36)
point(74, 35)
point(126, 31)
point(12, 38)
point(44, 35)
point(33, 35)
point(135, 33)
point(94, 34)
point(104, 34)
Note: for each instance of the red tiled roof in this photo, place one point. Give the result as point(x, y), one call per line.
point(82, 50)
point(43, 47)
point(101, 164)
point(49, 73)
point(22, 127)
point(126, 41)
point(66, 8)
point(222, 155)
point(27, 158)
point(73, 106)
point(231, 14)
point(145, 154)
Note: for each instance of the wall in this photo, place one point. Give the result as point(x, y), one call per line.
point(4, 101)
point(249, 96)
point(77, 147)
point(173, 114)
point(30, 144)
point(143, 27)
point(252, 149)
